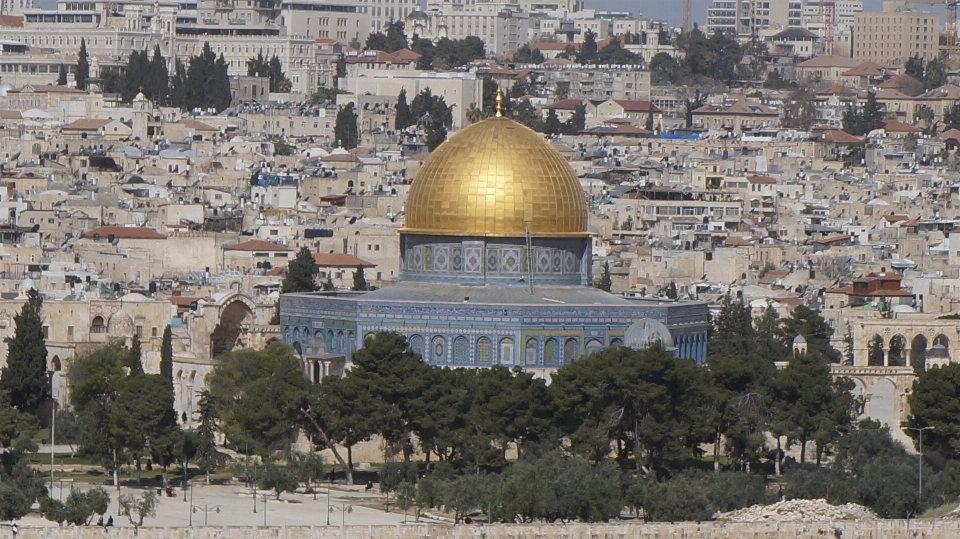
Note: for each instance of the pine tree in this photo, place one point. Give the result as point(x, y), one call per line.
point(83, 66)
point(157, 83)
point(577, 122)
point(649, 126)
point(345, 130)
point(62, 76)
point(604, 282)
point(166, 356)
point(328, 284)
point(136, 357)
point(301, 273)
point(552, 125)
point(588, 49)
point(359, 280)
point(769, 334)
point(404, 117)
point(25, 376)
point(733, 333)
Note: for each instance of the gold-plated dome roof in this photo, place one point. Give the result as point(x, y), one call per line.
point(496, 178)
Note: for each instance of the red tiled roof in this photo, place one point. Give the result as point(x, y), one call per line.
point(124, 232)
point(340, 260)
point(837, 136)
point(761, 179)
point(949, 134)
point(773, 276)
point(87, 124)
point(553, 46)
point(258, 245)
point(11, 21)
point(565, 104)
point(893, 126)
point(637, 106)
point(833, 239)
point(893, 218)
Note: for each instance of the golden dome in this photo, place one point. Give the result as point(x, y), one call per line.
point(496, 178)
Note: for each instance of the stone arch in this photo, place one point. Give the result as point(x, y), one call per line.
point(593, 345)
point(416, 345)
point(875, 351)
point(233, 317)
point(941, 339)
point(461, 351)
point(551, 353)
point(97, 325)
point(859, 391)
point(55, 364)
point(896, 355)
point(296, 335)
point(616, 341)
point(298, 348)
point(341, 342)
point(351, 338)
point(483, 351)
point(120, 324)
point(918, 352)
point(883, 403)
point(331, 342)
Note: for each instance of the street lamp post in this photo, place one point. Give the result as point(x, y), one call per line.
point(265, 496)
point(206, 511)
point(919, 459)
point(53, 425)
point(255, 492)
point(328, 504)
point(344, 509)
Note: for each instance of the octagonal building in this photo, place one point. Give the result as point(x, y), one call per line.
point(495, 269)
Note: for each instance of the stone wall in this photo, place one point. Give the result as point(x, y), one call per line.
point(876, 529)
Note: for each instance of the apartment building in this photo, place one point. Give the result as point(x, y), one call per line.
point(746, 17)
point(891, 36)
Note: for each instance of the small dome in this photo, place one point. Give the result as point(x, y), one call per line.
point(938, 351)
point(27, 284)
point(496, 178)
point(643, 333)
point(799, 340)
point(5, 87)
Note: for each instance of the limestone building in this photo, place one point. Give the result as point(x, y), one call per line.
point(891, 36)
point(495, 269)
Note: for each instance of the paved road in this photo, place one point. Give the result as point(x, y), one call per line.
point(236, 508)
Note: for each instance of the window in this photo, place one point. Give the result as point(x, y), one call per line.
point(506, 351)
point(153, 331)
point(139, 332)
point(70, 332)
point(97, 325)
point(483, 351)
point(46, 332)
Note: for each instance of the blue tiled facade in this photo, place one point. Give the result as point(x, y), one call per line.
point(330, 326)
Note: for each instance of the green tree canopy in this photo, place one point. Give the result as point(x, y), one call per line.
point(346, 129)
point(25, 377)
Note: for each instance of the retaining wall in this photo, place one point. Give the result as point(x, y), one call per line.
point(880, 529)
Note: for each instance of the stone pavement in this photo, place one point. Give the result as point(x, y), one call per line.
point(235, 504)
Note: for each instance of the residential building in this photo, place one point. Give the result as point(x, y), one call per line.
point(895, 34)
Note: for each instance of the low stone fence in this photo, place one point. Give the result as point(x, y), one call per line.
point(876, 529)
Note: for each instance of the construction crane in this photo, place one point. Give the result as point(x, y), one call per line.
point(828, 13)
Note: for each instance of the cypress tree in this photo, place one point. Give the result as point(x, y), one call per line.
point(404, 118)
point(62, 76)
point(157, 83)
point(345, 130)
point(604, 282)
point(136, 357)
point(166, 356)
point(83, 66)
point(301, 273)
point(25, 376)
point(359, 280)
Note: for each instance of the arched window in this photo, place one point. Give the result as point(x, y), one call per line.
point(483, 351)
point(97, 325)
point(593, 345)
point(438, 351)
point(530, 352)
point(569, 350)
point(460, 356)
point(550, 353)
point(416, 345)
point(616, 342)
point(506, 351)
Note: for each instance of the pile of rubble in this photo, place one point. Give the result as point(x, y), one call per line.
point(798, 511)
